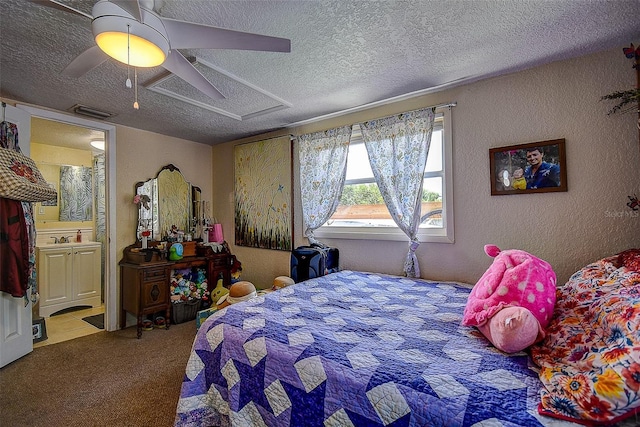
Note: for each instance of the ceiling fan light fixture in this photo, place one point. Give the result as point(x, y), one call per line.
point(143, 53)
point(122, 37)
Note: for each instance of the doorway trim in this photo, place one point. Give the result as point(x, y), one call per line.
point(110, 294)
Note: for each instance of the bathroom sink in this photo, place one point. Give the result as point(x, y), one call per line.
point(64, 245)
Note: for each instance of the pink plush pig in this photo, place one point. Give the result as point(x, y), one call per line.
point(513, 301)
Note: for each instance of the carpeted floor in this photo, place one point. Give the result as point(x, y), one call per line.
point(96, 320)
point(104, 379)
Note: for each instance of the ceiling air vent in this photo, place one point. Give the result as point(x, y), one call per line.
point(94, 113)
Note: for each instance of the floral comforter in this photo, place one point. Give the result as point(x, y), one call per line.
point(590, 358)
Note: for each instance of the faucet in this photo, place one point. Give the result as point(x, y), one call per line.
point(63, 239)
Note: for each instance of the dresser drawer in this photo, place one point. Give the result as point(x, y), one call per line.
point(154, 274)
point(224, 261)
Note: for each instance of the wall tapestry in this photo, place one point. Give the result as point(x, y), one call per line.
point(263, 183)
point(76, 195)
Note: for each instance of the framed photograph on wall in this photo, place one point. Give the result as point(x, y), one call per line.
point(263, 194)
point(538, 167)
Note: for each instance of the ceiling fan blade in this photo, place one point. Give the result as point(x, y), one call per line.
point(132, 7)
point(177, 64)
point(61, 6)
point(189, 35)
point(85, 62)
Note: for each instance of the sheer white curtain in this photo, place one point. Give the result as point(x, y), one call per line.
point(398, 147)
point(323, 167)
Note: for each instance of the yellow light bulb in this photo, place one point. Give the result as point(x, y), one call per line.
point(130, 49)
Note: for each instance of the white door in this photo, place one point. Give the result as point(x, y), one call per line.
point(16, 336)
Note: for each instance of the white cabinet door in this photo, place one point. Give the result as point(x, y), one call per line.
point(54, 276)
point(16, 334)
point(86, 272)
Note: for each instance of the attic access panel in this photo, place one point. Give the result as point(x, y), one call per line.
point(243, 100)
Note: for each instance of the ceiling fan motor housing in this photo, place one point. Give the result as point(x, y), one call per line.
point(137, 50)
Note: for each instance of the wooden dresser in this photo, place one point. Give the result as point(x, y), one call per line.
point(144, 285)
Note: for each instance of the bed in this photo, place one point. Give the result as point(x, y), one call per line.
point(354, 348)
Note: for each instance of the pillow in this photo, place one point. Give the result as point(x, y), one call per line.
point(630, 259)
point(589, 360)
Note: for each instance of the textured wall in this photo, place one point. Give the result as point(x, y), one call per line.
point(560, 100)
point(140, 156)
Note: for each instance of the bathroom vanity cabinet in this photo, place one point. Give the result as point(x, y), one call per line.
point(68, 275)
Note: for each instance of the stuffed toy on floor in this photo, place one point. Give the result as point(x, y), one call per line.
point(513, 301)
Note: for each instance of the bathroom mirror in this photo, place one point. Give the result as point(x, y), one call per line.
point(74, 201)
point(165, 201)
point(69, 164)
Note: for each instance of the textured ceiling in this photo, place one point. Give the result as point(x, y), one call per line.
point(344, 54)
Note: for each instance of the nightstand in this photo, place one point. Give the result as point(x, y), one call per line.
point(144, 290)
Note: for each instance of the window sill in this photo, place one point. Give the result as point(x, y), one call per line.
point(384, 234)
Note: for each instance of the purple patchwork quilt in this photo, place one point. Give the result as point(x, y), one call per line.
point(354, 349)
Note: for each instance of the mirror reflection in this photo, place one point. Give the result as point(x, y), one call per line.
point(75, 198)
point(166, 204)
point(76, 202)
point(76, 170)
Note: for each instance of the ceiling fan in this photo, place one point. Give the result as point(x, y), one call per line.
point(132, 33)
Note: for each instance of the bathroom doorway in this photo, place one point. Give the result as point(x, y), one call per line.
point(60, 141)
point(72, 160)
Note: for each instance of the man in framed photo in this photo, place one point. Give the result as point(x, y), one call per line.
point(540, 174)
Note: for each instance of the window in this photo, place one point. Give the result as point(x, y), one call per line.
point(362, 213)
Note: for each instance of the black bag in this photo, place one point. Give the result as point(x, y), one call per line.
point(308, 262)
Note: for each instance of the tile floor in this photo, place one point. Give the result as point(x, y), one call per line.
point(64, 327)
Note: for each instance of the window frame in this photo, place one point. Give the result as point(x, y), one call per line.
point(435, 235)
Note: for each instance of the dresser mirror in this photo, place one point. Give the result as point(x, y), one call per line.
point(165, 201)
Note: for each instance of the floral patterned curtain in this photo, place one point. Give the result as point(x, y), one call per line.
point(398, 147)
point(323, 167)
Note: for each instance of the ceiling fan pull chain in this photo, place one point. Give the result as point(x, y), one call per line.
point(135, 88)
point(128, 82)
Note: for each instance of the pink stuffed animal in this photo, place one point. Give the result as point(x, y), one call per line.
point(513, 301)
